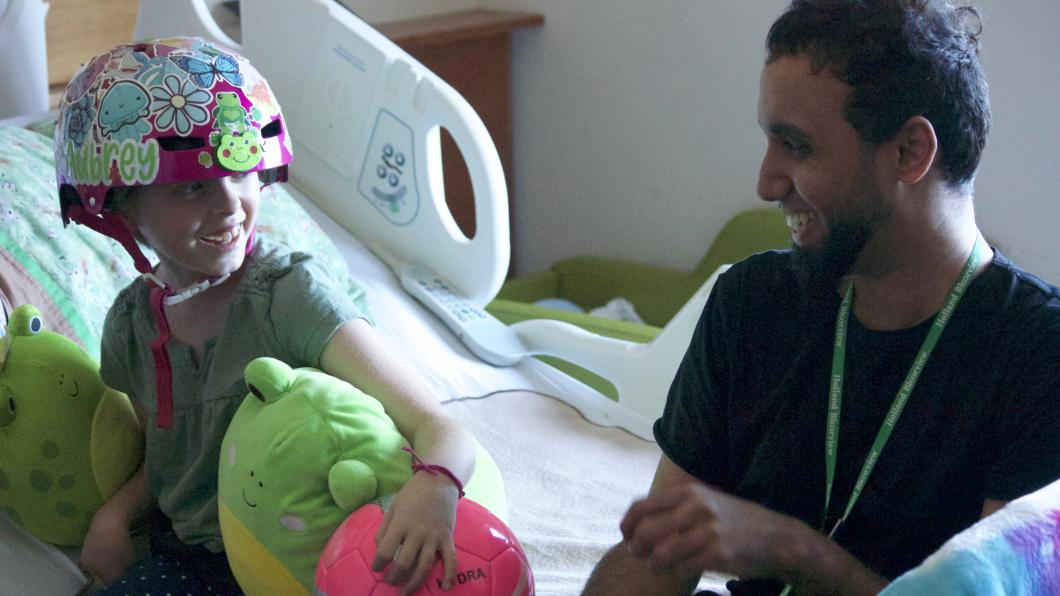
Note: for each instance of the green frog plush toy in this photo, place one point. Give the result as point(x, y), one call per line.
point(67, 441)
point(302, 452)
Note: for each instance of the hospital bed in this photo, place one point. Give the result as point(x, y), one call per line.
point(572, 460)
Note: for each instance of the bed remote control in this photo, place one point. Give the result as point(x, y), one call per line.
point(484, 335)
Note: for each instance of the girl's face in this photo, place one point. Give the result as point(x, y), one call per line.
point(198, 229)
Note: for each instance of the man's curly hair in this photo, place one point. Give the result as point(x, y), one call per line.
point(902, 58)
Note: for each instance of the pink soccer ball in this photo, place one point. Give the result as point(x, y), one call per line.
point(489, 560)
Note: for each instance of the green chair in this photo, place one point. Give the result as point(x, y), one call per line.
point(656, 292)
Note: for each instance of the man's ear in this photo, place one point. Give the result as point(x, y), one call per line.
point(915, 147)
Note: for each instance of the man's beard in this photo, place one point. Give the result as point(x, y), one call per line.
point(820, 269)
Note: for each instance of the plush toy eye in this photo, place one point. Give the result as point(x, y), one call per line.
point(258, 394)
point(35, 325)
point(7, 411)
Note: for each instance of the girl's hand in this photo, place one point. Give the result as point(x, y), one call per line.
point(418, 525)
point(108, 549)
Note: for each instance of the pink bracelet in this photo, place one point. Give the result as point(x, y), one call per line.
point(418, 465)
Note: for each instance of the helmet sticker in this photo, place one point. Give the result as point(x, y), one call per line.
point(206, 72)
point(152, 70)
point(84, 79)
point(136, 162)
point(79, 120)
point(262, 96)
point(229, 115)
point(164, 111)
point(179, 105)
point(237, 140)
point(122, 111)
point(239, 152)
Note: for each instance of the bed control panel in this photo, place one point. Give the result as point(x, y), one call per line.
point(484, 335)
point(387, 179)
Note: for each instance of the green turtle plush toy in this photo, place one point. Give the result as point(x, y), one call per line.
point(67, 441)
point(302, 452)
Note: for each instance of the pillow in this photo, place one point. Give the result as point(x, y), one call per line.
point(17, 287)
point(73, 274)
point(78, 270)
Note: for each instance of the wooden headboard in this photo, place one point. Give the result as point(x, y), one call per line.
point(80, 29)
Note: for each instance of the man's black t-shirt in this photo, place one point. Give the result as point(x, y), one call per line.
point(746, 412)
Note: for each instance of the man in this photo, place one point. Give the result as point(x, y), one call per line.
point(889, 314)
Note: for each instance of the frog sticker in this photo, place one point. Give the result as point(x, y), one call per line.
point(229, 115)
point(123, 111)
point(240, 152)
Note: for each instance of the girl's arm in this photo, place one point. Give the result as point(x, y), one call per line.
point(422, 517)
point(108, 550)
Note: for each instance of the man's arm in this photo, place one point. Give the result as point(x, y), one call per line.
point(619, 572)
point(685, 527)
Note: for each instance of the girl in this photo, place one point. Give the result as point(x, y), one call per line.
point(169, 142)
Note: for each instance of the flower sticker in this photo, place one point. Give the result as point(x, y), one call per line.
point(79, 120)
point(179, 105)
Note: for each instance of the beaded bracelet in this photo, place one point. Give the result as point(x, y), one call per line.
point(419, 465)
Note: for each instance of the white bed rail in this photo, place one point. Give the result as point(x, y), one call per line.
point(641, 373)
point(366, 119)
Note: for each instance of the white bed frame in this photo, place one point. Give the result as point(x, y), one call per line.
point(365, 93)
point(347, 91)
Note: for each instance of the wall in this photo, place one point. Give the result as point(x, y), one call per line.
point(385, 11)
point(634, 123)
point(1016, 190)
point(635, 132)
point(77, 30)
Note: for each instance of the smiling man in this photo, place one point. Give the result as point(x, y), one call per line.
point(848, 405)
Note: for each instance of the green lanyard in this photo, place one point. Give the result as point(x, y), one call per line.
point(835, 389)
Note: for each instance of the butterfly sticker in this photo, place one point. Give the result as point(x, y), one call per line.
point(205, 74)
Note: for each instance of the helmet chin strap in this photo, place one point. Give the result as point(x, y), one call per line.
point(162, 296)
point(112, 225)
point(173, 297)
